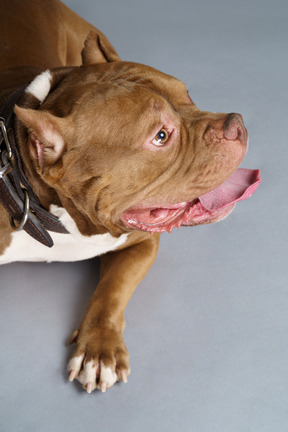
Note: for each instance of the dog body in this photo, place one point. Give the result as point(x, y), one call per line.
point(117, 151)
point(69, 247)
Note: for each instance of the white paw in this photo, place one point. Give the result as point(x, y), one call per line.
point(96, 370)
point(94, 375)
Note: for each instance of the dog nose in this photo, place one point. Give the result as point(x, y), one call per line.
point(234, 128)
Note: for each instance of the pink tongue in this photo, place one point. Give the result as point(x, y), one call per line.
point(240, 186)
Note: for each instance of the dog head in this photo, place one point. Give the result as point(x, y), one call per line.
point(124, 147)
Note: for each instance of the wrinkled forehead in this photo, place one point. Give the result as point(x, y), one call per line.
point(129, 76)
point(122, 101)
point(117, 114)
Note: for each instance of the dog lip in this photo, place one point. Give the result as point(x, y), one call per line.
point(208, 208)
point(163, 219)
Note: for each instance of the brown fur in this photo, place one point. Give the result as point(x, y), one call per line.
point(97, 172)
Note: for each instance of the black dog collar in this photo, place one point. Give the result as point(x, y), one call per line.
point(16, 194)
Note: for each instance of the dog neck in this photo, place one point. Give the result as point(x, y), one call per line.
point(17, 192)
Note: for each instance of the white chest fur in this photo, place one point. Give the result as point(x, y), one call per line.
point(67, 247)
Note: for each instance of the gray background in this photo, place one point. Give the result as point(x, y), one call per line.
point(207, 328)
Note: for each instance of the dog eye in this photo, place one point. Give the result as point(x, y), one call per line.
point(161, 138)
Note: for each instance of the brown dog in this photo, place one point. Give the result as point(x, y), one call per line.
point(101, 154)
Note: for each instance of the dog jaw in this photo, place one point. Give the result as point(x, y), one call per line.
point(208, 208)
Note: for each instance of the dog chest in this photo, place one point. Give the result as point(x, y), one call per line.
point(67, 247)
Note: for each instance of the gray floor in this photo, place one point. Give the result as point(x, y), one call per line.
point(207, 328)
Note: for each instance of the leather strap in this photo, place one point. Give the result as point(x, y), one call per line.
point(15, 189)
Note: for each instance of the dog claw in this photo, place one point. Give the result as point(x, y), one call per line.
point(74, 337)
point(89, 388)
point(72, 375)
point(103, 387)
point(124, 377)
point(74, 367)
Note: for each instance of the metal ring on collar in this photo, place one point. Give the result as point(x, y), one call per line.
point(5, 170)
point(25, 213)
point(5, 137)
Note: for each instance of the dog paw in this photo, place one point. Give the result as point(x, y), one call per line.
point(99, 360)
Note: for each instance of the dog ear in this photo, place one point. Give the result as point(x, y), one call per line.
point(97, 49)
point(45, 142)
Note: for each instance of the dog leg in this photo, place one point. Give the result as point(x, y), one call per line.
point(101, 357)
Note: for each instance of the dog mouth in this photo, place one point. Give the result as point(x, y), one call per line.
point(208, 208)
